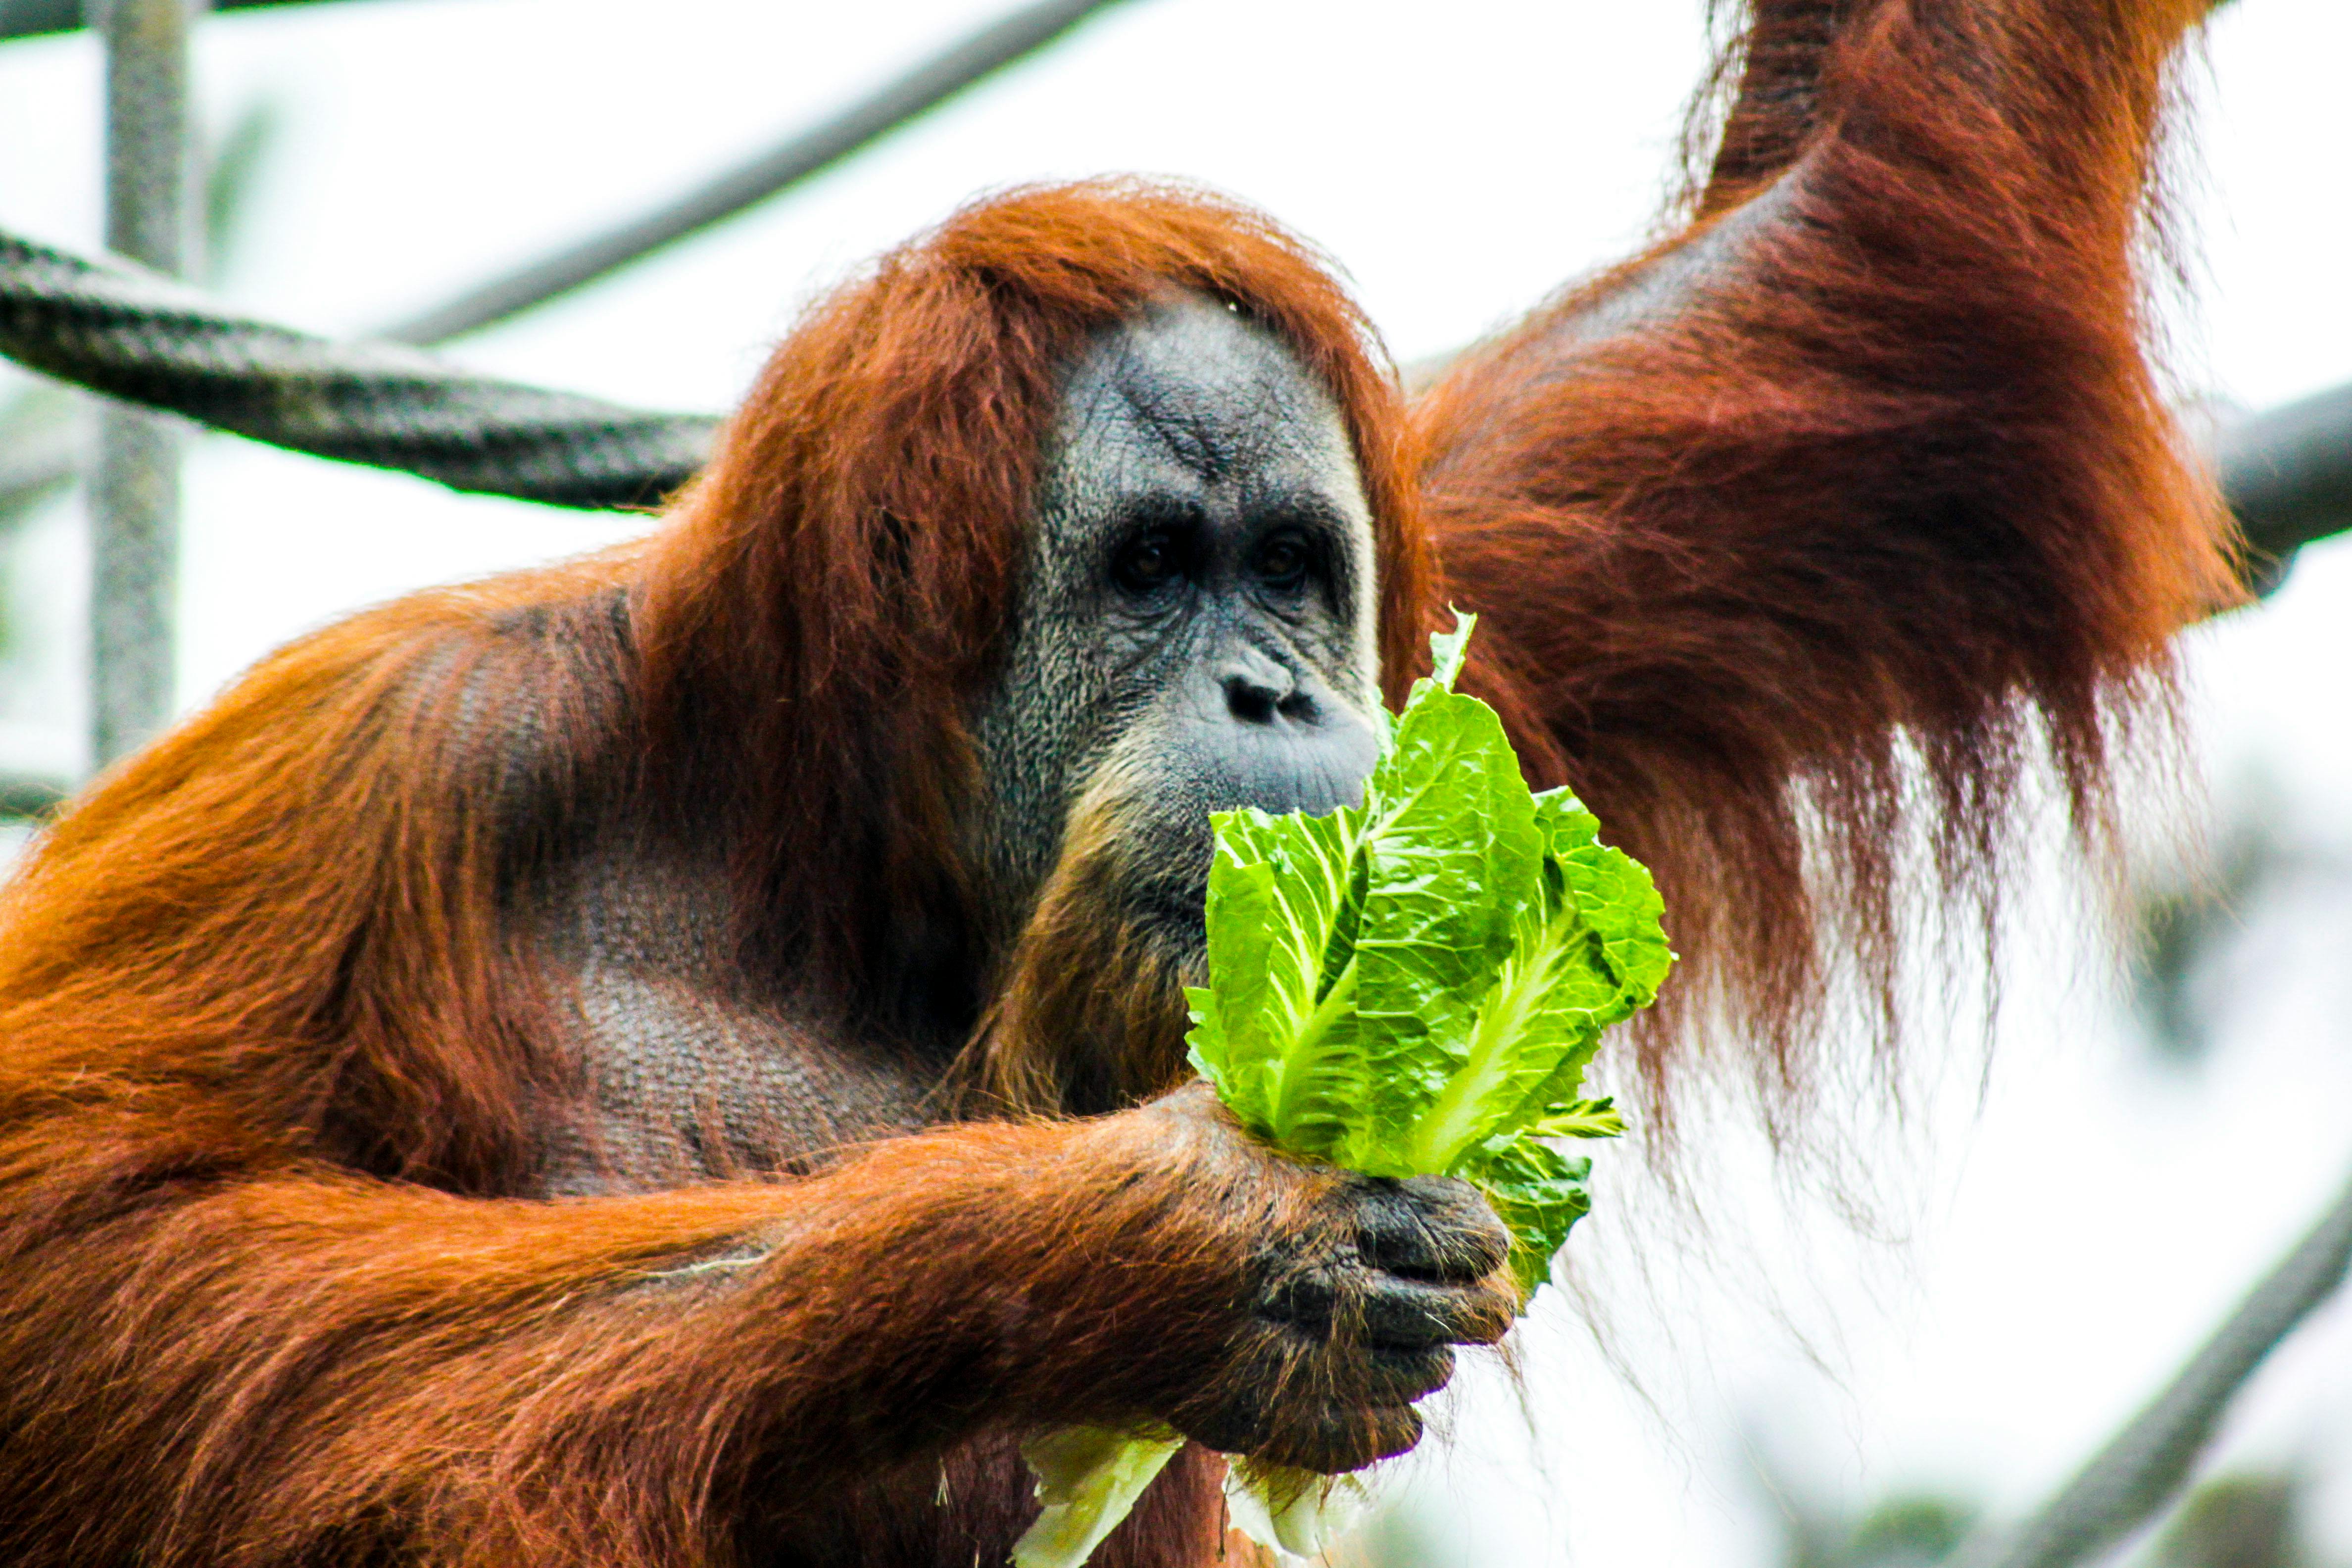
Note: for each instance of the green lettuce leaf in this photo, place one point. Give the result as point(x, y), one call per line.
point(1413, 985)
point(1538, 1192)
point(1416, 984)
point(1087, 1480)
point(1614, 894)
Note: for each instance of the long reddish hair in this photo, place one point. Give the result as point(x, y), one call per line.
point(1803, 540)
point(843, 575)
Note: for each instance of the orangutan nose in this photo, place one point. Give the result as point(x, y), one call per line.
point(1284, 742)
point(1259, 690)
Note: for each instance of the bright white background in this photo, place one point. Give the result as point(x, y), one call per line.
point(2050, 1247)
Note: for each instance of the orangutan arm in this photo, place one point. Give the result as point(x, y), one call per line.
point(289, 1365)
point(1868, 452)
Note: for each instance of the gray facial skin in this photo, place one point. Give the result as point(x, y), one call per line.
point(1196, 624)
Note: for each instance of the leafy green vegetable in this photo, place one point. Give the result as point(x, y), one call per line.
point(1087, 1478)
point(1414, 986)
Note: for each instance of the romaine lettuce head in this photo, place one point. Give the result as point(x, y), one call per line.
point(1414, 985)
point(1410, 986)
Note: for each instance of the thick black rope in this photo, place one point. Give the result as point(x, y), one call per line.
point(129, 333)
point(2288, 474)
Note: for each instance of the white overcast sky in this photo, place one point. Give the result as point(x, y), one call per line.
point(2065, 1238)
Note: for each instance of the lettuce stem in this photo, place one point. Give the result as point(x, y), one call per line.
point(1465, 1108)
point(1336, 1004)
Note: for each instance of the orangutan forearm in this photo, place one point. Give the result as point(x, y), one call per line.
point(297, 1364)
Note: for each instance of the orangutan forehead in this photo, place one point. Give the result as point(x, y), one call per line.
point(1192, 392)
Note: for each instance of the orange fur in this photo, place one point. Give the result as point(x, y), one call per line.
point(1799, 491)
point(1865, 459)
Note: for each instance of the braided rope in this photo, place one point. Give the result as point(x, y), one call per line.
point(120, 330)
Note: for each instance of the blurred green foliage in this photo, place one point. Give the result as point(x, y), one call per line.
point(1903, 1530)
point(2249, 1519)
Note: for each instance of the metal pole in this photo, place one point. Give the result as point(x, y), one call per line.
point(135, 488)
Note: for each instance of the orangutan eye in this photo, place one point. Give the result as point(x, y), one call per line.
point(1149, 563)
point(1282, 562)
